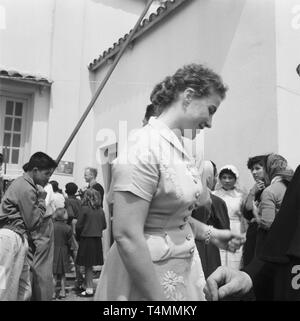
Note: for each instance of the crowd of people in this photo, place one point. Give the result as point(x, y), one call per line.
point(182, 231)
point(43, 230)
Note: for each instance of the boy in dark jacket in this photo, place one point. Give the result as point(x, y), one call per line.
point(21, 213)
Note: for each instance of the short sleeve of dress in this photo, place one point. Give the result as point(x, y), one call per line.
point(139, 175)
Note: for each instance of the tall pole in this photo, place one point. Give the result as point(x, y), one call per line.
point(101, 86)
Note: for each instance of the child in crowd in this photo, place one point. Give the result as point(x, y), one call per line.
point(91, 222)
point(73, 206)
point(62, 243)
point(58, 198)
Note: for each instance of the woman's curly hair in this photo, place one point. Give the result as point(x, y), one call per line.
point(203, 80)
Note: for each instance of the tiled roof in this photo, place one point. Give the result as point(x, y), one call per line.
point(24, 77)
point(146, 24)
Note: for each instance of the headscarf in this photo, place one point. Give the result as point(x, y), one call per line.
point(277, 165)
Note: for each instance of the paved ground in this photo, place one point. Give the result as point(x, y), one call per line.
point(71, 295)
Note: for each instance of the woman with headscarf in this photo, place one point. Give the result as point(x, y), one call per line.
point(278, 175)
point(215, 214)
point(229, 190)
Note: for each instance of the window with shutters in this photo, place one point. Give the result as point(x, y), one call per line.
point(13, 112)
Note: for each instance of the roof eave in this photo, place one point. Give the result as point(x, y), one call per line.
point(146, 25)
point(28, 81)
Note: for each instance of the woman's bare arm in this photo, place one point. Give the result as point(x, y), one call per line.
point(130, 213)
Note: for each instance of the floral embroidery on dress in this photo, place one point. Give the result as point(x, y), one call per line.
point(170, 174)
point(194, 259)
point(170, 283)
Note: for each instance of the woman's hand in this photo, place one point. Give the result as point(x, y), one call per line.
point(258, 186)
point(255, 210)
point(227, 240)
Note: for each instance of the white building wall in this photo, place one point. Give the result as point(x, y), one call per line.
point(246, 124)
point(104, 23)
point(26, 47)
point(39, 117)
point(26, 39)
point(288, 81)
point(66, 57)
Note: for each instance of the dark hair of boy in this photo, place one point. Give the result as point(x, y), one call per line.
point(71, 188)
point(41, 161)
point(54, 186)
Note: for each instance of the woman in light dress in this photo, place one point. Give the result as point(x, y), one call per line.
point(156, 186)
